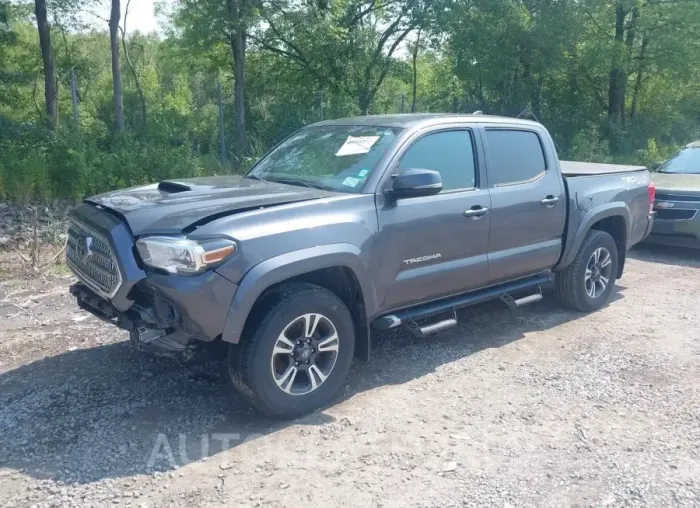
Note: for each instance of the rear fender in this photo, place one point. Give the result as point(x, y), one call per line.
point(596, 214)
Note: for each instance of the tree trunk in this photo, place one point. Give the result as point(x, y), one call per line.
point(239, 92)
point(116, 71)
point(137, 81)
point(618, 76)
point(415, 71)
point(639, 80)
point(537, 99)
point(47, 57)
point(238, 51)
point(629, 42)
point(363, 101)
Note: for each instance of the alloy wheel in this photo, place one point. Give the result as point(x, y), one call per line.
point(598, 272)
point(305, 354)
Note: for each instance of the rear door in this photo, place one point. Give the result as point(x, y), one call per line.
point(435, 246)
point(528, 201)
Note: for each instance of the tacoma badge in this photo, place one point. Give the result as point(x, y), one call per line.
point(422, 258)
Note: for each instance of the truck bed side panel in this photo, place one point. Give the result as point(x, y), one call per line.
point(596, 197)
point(571, 168)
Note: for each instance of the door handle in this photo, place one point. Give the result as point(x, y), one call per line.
point(476, 212)
point(550, 201)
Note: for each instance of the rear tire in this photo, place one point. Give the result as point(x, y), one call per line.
point(587, 284)
point(295, 353)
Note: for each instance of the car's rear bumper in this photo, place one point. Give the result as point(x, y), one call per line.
point(674, 240)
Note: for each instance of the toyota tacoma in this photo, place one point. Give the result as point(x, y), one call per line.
point(348, 227)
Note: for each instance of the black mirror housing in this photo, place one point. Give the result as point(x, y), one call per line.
point(413, 183)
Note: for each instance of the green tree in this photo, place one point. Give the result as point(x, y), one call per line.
point(348, 46)
point(208, 23)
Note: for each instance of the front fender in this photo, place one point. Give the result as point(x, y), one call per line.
point(595, 214)
point(283, 267)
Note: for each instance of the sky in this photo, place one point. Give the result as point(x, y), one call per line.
point(141, 17)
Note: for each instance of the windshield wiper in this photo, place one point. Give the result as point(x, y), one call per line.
point(304, 183)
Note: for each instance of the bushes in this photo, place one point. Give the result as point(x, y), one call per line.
point(35, 163)
point(589, 146)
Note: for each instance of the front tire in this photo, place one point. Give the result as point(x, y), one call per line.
point(296, 352)
point(587, 284)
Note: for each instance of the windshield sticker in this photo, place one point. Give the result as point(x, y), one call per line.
point(363, 173)
point(351, 182)
point(357, 145)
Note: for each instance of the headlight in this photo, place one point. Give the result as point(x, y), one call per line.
point(181, 256)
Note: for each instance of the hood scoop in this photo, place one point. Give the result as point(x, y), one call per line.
point(172, 187)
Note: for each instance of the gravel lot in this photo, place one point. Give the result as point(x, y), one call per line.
point(534, 407)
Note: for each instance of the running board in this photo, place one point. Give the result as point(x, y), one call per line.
point(411, 315)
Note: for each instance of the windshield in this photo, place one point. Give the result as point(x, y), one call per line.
point(334, 157)
point(687, 162)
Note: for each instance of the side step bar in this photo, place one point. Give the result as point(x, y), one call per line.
point(411, 315)
point(525, 300)
point(433, 327)
point(528, 299)
point(438, 327)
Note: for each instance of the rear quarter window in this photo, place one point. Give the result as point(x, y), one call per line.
point(514, 156)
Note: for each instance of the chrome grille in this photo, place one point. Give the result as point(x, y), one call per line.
point(91, 258)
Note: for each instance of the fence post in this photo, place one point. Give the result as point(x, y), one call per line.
point(222, 136)
point(403, 102)
point(74, 97)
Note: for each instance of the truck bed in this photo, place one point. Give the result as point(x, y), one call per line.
point(571, 168)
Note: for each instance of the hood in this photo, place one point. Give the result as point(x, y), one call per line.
point(172, 206)
point(676, 183)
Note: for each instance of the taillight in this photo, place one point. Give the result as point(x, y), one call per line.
point(652, 195)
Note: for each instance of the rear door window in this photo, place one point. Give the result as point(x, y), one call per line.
point(515, 156)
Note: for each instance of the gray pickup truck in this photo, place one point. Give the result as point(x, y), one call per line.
point(351, 226)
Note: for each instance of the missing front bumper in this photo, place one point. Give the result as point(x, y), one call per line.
point(147, 331)
point(101, 308)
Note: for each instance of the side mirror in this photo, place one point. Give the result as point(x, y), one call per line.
point(413, 183)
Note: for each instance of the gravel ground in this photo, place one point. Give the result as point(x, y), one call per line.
point(534, 407)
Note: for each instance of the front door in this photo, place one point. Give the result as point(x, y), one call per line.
point(528, 202)
point(435, 246)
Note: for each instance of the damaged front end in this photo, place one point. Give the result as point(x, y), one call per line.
point(149, 330)
point(165, 314)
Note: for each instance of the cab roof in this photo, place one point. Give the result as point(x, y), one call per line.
point(422, 119)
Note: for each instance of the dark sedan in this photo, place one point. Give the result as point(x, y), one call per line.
point(677, 204)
